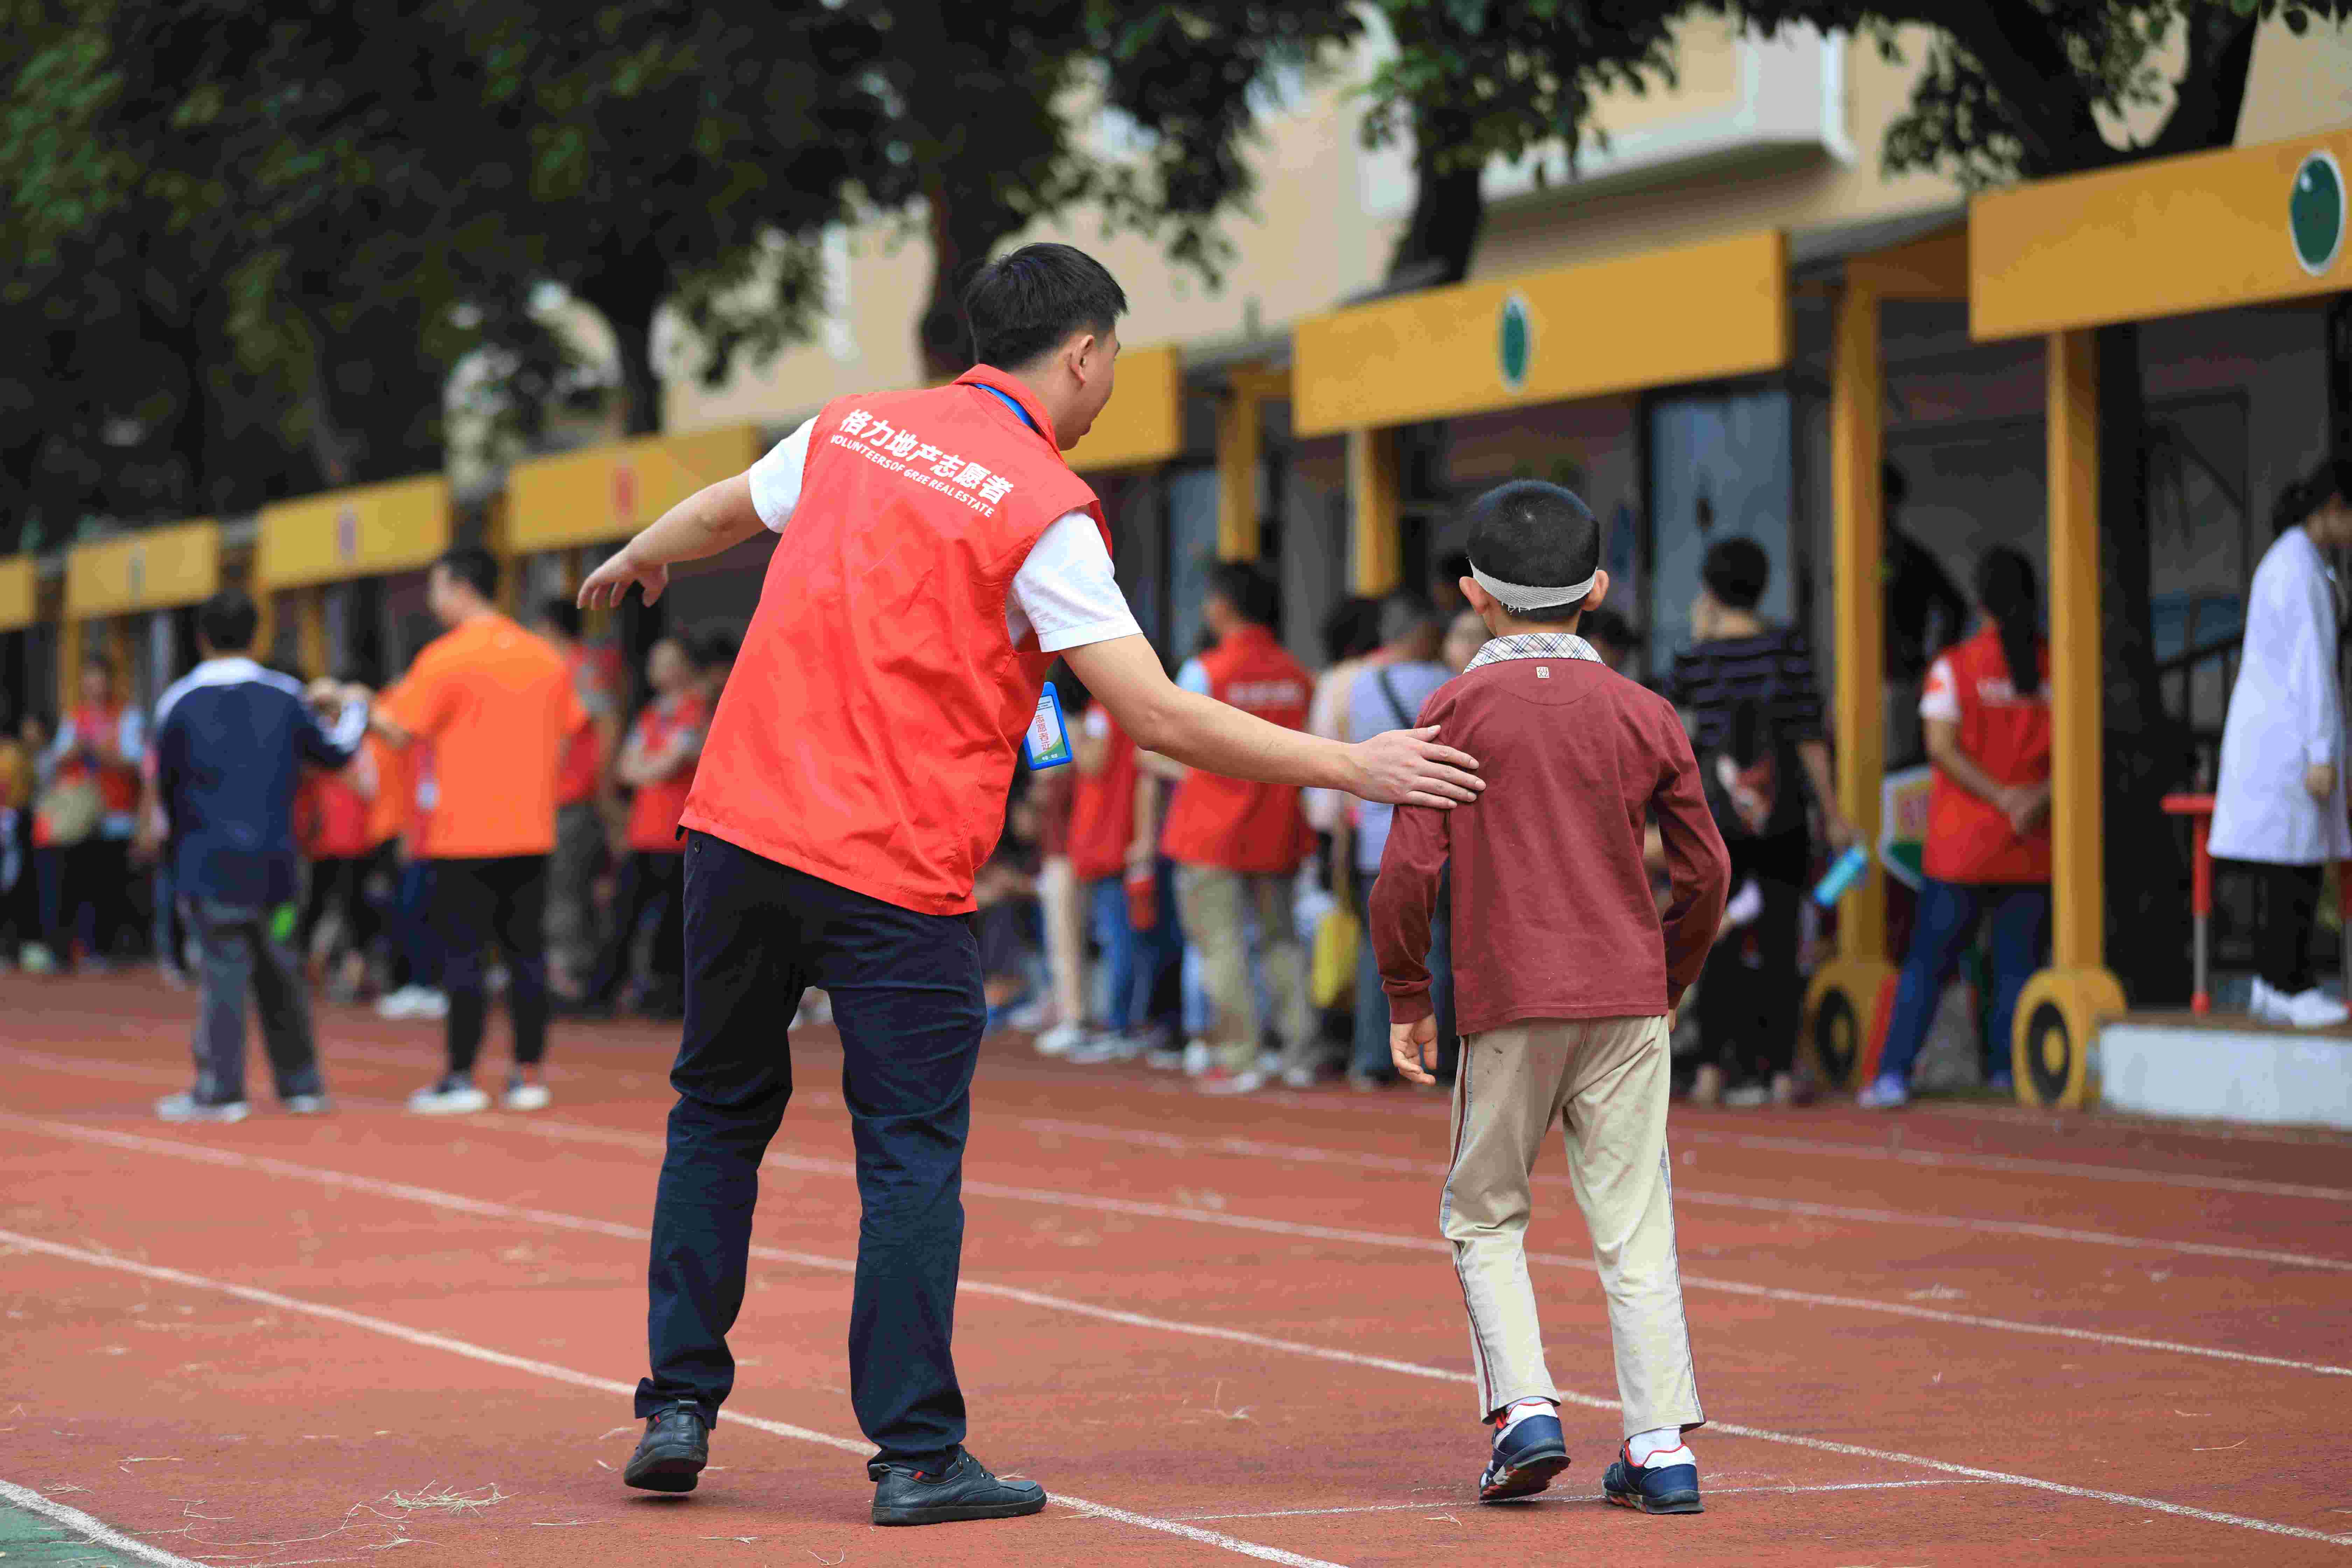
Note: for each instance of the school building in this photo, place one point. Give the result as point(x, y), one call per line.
point(1720, 322)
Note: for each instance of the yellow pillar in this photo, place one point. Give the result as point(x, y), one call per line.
point(1375, 509)
point(264, 623)
point(70, 647)
point(310, 630)
point(1240, 440)
point(1849, 996)
point(2062, 1007)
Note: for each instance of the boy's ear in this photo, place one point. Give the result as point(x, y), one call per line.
point(1600, 591)
point(1477, 598)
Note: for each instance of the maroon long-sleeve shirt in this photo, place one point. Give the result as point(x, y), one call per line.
point(1553, 916)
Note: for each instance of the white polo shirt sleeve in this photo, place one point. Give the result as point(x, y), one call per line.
point(1065, 592)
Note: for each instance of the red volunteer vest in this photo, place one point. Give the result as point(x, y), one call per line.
point(1232, 822)
point(335, 817)
point(653, 810)
point(1102, 806)
point(869, 730)
point(1969, 840)
point(118, 788)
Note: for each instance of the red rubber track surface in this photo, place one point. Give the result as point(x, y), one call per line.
point(1967, 1335)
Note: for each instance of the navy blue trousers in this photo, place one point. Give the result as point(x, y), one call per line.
point(905, 991)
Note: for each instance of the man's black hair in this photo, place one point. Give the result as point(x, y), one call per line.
point(95, 660)
point(561, 612)
point(1737, 571)
point(474, 566)
point(1026, 305)
point(1403, 615)
point(717, 647)
point(1894, 489)
point(1605, 624)
point(1246, 586)
point(1352, 628)
point(1538, 535)
point(227, 621)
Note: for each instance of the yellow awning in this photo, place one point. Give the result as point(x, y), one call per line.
point(19, 593)
point(148, 569)
point(2242, 226)
point(367, 531)
point(1694, 313)
point(1144, 421)
point(609, 492)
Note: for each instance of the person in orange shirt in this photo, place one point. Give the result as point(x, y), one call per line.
point(1238, 844)
point(656, 762)
point(499, 707)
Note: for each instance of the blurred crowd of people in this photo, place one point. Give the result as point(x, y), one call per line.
point(77, 892)
point(1135, 911)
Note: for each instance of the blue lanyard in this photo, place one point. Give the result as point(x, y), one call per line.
point(1009, 402)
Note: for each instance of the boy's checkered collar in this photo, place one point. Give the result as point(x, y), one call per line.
point(1535, 645)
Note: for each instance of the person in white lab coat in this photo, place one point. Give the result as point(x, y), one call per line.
point(2279, 814)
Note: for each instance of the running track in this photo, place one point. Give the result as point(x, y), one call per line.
point(1218, 1331)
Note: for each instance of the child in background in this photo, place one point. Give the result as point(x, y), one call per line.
point(1566, 979)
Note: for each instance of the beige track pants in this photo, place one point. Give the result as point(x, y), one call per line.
point(1607, 1079)
point(1217, 906)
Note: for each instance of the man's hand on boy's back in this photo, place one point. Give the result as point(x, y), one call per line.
point(1397, 767)
point(1414, 1047)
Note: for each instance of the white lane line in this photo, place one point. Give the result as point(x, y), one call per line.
point(554, 1373)
point(486, 1209)
point(1250, 1148)
point(2011, 1164)
point(93, 1532)
point(560, 1130)
point(1712, 1491)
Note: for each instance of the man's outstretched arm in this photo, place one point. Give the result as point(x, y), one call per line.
point(1402, 767)
point(715, 518)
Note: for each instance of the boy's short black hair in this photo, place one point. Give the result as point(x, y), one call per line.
point(1024, 305)
point(1737, 571)
point(474, 566)
point(561, 612)
point(1246, 586)
point(227, 621)
point(1535, 535)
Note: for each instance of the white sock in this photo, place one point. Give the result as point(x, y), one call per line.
point(1520, 1409)
point(1666, 1442)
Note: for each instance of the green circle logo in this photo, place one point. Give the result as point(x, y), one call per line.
point(1514, 347)
point(2314, 213)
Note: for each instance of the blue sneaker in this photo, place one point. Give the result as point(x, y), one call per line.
point(1888, 1093)
point(1526, 1459)
point(1654, 1487)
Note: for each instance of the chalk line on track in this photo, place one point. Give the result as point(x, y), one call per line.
point(96, 1532)
point(558, 1130)
point(555, 1374)
point(1596, 1499)
point(1306, 1153)
point(489, 1208)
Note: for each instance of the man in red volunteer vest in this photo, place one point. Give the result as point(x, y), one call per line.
point(1238, 844)
point(936, 555)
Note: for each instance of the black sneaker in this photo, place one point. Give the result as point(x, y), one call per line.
point(965, 1489)
point(1667, 1484)
point(671, 1454)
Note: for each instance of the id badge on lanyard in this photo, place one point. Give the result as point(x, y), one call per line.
point(1046, 743)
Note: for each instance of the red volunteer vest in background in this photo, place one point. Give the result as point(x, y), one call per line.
point(1968, 839)
point(118, 788)
point(1102, 806)
point(333, 816)
point(653, 810)
point(582, 761)
point(1232, 822)
point(869, 730)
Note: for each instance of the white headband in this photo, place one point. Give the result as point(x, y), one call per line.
point(1520, 596)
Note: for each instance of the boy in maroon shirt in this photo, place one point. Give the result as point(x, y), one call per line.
point(1566, 979)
